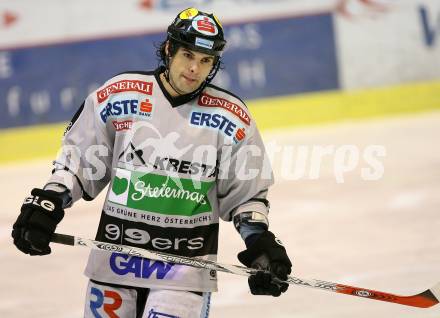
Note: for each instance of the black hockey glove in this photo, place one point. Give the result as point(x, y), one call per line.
point(40, 214)
point(267, 253)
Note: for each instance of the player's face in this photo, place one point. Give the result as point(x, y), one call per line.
point(189, 69)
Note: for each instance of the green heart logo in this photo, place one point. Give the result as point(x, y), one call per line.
point(120, 185)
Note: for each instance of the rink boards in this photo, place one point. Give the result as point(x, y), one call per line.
point(282, 48)
point(43, 141)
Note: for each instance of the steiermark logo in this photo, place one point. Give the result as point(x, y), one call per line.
point(160, 194)
point(120, 187)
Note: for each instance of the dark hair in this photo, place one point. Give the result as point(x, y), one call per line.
point(161, 54)
point(173, 48)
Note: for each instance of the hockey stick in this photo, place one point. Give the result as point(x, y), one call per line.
point(426, 299)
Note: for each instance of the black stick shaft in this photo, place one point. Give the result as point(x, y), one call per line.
point(63, 239)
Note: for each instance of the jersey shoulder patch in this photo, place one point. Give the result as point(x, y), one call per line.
point(135, 81)
point(214, 96)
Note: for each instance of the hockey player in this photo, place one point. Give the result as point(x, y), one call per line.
point(170, 144)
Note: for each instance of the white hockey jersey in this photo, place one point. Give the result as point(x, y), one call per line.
point(175, 166)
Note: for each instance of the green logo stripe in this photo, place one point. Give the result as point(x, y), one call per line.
point(161, 194)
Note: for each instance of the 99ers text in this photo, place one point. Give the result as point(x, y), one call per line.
point(142, 237)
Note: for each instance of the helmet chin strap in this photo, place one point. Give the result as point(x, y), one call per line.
point(167, 78)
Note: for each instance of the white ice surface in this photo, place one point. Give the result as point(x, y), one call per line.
point(375, 234)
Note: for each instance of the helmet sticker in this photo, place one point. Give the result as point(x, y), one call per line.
point(218, 21)
point(188, 14)
point(205, 25)
point(204, 43)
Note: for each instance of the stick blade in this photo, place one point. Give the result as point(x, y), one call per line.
point(430, 297)
point(425, 299)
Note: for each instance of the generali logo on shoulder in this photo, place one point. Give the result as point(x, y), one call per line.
point(125, 86)
point(212, 101)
